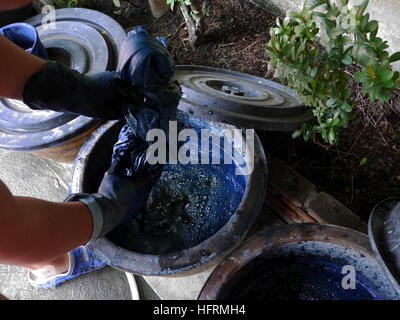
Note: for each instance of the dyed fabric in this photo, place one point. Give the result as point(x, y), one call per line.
point(147, 64)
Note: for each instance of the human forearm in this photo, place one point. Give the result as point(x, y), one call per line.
point(16, 67)
point(33, 230)
point(53, 228)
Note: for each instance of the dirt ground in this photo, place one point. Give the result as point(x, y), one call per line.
point(361, 171)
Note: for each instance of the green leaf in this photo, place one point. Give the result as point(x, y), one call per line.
point(117, 3)
point(372, 26)
point(362, 8)
point(384, 75)
point(363, 161)
point(286, 21)
point(371, 72)
point(347, 60)
point(171, 3)
point(364, 22)
point(381, 94)
point(394, 57)
point(323, 133)
point(346, 107)
point(362, 76)
point(294, 15)
point(316, 3)
point(314, 73)
point(389, 84)
point(331, 136)
point(296, 134)
point(331, 102)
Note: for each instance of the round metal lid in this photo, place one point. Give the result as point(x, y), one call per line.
point(85, 40)
point(240, 99)
point(384, 236)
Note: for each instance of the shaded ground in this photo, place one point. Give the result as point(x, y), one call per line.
point(235, 40)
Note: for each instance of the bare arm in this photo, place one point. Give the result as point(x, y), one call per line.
point(9, 5)
point(16, 67)
point(33, 231)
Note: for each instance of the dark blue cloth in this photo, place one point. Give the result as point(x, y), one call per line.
point(147, 64)
point(26, 37)
point(144, 60)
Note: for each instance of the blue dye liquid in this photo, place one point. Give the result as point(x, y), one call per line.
point(189, 204)
point(298, 278)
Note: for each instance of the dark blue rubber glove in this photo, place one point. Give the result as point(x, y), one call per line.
point(147, 64)
point(120, 196)
point(59, 88)
point(144, 60)
point(133, 149)
point(26, 37)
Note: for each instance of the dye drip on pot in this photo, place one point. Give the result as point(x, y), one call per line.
point(189, 204)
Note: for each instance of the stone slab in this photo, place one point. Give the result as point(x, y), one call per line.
point(331, 211)
point(179, 287)
point(105, 284)
point(291, 184)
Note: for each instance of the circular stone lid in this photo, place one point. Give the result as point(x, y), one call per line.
point(85, 40)
point(239, 99)
point(384, 236)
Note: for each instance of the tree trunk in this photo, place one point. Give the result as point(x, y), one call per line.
point(158, 8)
point(194, 23)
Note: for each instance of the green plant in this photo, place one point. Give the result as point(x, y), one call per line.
point(193, 12)
point(318, 76)
point(66, 3)
point(179, 2)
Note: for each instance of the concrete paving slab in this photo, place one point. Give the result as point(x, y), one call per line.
point(179, 287)
point(28, 175)
point(331, 211)
point(105, 284)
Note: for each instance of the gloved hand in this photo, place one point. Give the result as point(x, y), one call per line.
point(144, 60)
point(134, 162)
point(120, 196)
point(26, 37)
point(147, 64)
point(59, 88)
